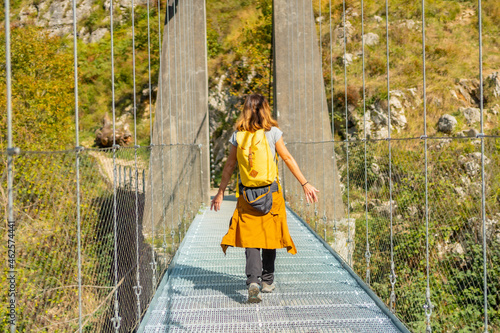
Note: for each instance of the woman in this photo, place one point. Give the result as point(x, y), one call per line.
point(251, 228)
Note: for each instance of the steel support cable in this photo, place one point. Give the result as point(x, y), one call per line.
point(116, 319)
point(162, 140)
point(151, 144)
point(171, 187)
point(367, 251)
point(192, 75)
point(313, 34)
point(11, 151)
point(303, 159)
point(321, 122)
point(295, 99)
point(483, 185)
point(290, 73)
point(185, 105)
point(160, 91)
point(392, 276)
point(296, 111)
point(175, 18)
point(349, 240)
point(334, 228)
point(137, 288)
point(77, 169)
point(428, 306)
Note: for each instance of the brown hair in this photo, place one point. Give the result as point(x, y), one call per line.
point(256, 115)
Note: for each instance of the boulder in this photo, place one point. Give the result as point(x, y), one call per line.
point(471, 133)
point(377, 18)
point(371, 39)
point(472, 115)
point(446, 123)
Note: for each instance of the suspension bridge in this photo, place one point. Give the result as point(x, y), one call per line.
point(124, 241)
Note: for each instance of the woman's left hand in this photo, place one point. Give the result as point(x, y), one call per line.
point(216, 201)
point(310, 192)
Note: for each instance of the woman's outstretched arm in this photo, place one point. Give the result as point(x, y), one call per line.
point(309, 190)
point(226, 176)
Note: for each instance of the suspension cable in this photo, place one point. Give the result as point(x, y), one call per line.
point(313, 35)
point(349, 240)
point(162, 140)
point(152, 151)
point(137, 288)
point(151, 133)
point(334, 229)
point(116, 319)
point(305, 97)
point(367, 251)
point(428, 306)
point(483, 185)
point(171, 187)
point(321, 118)
point(11, 224)
point(393, 273)
point(77, 167)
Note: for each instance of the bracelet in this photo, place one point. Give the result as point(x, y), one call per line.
point(304, 184)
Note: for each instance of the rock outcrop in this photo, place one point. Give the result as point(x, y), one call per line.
point(371, 39)
point(104, 135)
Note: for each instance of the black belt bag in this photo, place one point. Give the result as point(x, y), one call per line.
point(260, 198)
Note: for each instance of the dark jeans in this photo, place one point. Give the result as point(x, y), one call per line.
point(258, 268)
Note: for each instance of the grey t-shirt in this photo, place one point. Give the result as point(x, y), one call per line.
point(272, 136)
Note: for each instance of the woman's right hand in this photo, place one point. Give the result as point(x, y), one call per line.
point(217, 201)
point(310, 192)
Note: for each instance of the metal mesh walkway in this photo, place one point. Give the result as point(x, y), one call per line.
point(205, 290)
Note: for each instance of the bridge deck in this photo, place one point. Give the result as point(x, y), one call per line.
point(206, 291)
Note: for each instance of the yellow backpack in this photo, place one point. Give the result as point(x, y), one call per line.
point(255, 159)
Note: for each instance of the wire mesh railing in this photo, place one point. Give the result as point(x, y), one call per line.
point(455, 231)
point(46, 274)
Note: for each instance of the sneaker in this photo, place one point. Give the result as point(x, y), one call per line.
point(254, 293)
point(268, 288)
